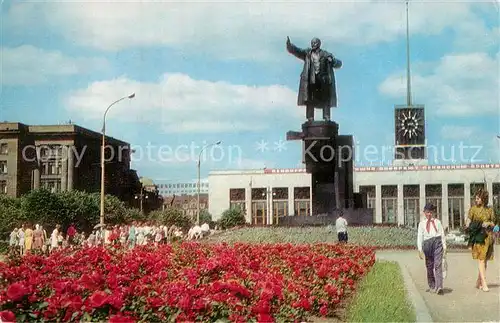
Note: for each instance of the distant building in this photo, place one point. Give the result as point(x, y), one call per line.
point(169, 188)
point(187, 203)
point(61, 158)
point(148, 199)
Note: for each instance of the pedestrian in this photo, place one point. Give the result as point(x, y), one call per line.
point(341, 226)
point(496, 233)
point(480, 227)
point(431, 244)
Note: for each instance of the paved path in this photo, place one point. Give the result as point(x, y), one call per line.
point(462, 302)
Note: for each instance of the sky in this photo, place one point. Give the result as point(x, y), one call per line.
point(204, 72)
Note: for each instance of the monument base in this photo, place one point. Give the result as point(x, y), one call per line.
point(329, 158)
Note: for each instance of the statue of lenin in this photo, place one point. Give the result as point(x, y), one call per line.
point(317, 87)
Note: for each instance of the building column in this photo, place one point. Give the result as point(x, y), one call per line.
point(311, 199)
point(36, 178)
point(71, 167)
point(421, 199)
point(291, 201)
point(444, 206)
point(489, 188)
point(401, 206)
point(64, 169)
point(270, 199)
point(378, 204)
point(466, 200)
point(248, 204)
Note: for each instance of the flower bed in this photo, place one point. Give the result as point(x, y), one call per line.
point(189, 281)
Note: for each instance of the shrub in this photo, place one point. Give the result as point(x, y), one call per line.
point(206, 217)
point(232, 218)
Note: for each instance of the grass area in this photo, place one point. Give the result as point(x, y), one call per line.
point(382, 237)
point(368, 236)
point(381, 297)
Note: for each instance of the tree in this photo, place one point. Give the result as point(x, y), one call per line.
point(172, 216)
point(10, 215)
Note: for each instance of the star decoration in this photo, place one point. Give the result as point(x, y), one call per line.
point(280, 145)
point(262, 146)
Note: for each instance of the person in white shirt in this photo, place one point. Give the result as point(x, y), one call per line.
point(341, 226)
point(431, 243)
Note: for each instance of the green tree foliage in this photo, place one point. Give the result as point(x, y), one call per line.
point(172, 216)
point(232, 218)
point(48, 209)
point(10, 215)
point(206, 217)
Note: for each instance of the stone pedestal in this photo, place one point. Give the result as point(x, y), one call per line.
point(328, 158)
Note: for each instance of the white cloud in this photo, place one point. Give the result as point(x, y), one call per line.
point(28, 65)
point(228, 29)
point(181, 104)
point(457, 132)
point(459, 85)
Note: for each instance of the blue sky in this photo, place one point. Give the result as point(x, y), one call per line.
point(204, 72)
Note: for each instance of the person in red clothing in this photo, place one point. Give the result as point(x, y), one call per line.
point(70, 234)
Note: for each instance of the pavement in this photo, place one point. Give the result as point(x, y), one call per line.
point(462, 302)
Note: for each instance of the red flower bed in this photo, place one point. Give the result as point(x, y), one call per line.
point(185, 282)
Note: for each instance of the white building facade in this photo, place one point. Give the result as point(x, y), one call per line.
point(170, 188)
point(396, 194)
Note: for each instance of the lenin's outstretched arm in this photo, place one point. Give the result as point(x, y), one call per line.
point(294, 50)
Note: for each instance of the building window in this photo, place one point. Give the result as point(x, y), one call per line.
point(496, 195)
point(50, 152)
point(259, 206)
point(51, 185)
point(4, 149)
point(237, 199)
point(280, 203)
point(369, 191)
point(456, 214)
point(3, 187)
point(52, 168)
point(302, 201)
point(389, 203)
point(3, 167)
point(411, 200)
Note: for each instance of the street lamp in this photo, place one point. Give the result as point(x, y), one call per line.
point(199, 177)
point(103, 173)
point(141, 196)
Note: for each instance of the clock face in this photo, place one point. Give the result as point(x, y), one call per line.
point(410, 124)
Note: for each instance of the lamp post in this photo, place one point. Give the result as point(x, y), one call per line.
point(103, 146)
point(141, 196)
point(199, 178)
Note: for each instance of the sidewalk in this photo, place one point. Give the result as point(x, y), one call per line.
point(462, 302)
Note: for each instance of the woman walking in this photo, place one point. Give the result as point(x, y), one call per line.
point(480, 225)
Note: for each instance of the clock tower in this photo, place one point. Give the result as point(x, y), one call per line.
point(409, 122)
point(409, 134)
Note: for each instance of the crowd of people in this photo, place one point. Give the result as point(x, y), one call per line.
point(26, 240)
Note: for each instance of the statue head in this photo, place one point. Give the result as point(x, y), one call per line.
point(315, 43)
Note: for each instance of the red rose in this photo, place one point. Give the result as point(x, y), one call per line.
point(16, 292)
point(98, 299)
point(7, 316)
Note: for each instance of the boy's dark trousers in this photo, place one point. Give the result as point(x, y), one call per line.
point(433, 251)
